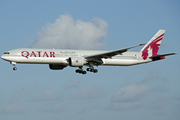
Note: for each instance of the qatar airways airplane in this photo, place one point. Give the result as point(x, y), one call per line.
point(61, 58)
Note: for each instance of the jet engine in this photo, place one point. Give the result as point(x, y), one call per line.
point(56, 66)
point(76, 61)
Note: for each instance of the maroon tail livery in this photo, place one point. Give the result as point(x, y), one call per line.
point(152, 47)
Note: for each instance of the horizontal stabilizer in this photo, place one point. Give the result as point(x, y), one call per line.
point(163, 55)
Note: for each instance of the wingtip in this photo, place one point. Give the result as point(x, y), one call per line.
point(142, 44)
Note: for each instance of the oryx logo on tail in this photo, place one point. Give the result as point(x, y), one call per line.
point(152, 47)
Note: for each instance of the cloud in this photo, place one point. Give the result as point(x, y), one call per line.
point(90, 92)
point(159, 89)
point(129, 97)
point(154, 75)
point(73, 83)
point(47, 96)
point(14, 109)
point(53, 108)
point(25, 87)
point(135, 96)
point(161, 105)
point(118, 106)
point(128, 93)
point(91, 106)
point(19, 95)
point(66, 32)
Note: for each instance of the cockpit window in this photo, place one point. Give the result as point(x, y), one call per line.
point(6, 53)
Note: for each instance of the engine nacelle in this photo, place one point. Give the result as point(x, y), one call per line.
point(56, 66)
point(76, 61)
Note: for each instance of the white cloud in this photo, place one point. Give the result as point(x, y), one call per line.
point(134, 96)
point(153, 75)
point(129, 97)
point(14, 109)
point(73, 83)
point(47, 96)
point(159, 89)
point(66, 32)
point(126, 105)
point(160, 103)
point(130, 92)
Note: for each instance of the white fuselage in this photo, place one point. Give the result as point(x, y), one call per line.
point(60, 56)
point(58, 59)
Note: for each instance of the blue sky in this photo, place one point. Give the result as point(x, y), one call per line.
point(147, 91)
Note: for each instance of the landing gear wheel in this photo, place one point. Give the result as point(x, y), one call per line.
point(95, 71)
point(91, 70)
point(84, 72)
point(77, 71)
point(88, 69)
point(14, 68)
point(80, 71)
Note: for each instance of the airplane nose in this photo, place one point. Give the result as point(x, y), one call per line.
point(6, 56)
point(2, 56)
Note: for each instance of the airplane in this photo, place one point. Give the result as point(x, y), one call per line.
point(58, 59)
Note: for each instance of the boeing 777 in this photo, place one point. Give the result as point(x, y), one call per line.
point(61, 58)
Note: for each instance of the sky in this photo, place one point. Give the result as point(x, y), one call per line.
point(146, 91)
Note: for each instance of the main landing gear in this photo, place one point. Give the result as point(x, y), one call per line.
point(81, 71)
point(92, 70)
point(14, 64)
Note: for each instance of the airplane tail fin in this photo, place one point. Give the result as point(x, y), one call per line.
point(152, 47)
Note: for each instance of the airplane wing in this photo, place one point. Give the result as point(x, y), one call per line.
point(110, 54)
point(163, 55)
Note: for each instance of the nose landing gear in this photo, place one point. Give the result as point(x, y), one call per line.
point(14, 68)
point(14, 64)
